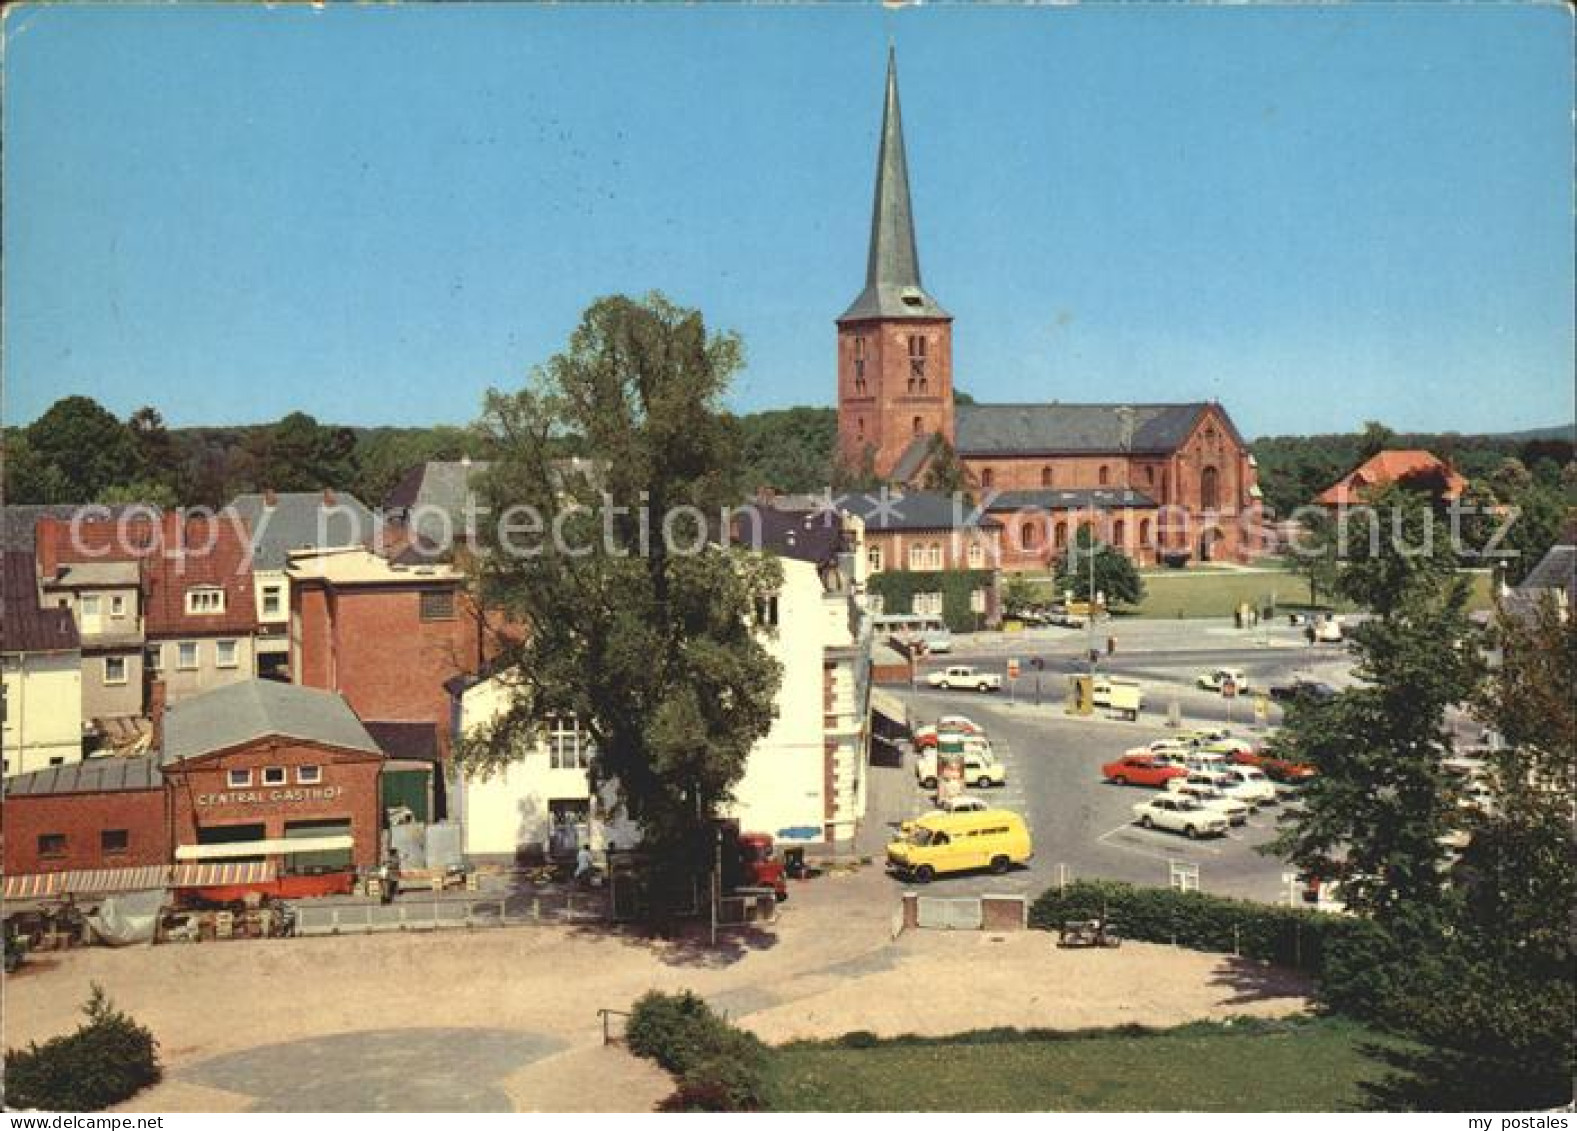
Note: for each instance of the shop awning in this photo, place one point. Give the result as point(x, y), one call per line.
point(889, 707)
point(89, 882)
point(283, 847)
point(222, 875)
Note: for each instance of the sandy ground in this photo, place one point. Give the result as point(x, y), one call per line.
point(829, 967)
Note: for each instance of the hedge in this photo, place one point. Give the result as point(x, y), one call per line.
point(719, 1067)
point(897, 588)
point(109, 1059)
point(1302, 940)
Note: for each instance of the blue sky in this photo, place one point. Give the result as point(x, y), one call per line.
point(1317, 215)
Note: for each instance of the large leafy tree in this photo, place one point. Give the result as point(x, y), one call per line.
point(650, 642)
point(299, 454)
point(1116, 578)
point(81, 449)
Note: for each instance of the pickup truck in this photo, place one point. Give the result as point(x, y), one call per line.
point(962, 675)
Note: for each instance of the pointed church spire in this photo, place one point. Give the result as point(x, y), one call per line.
point(892, 272)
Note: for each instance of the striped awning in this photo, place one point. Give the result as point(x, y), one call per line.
point(222, 874)
point(97, 881)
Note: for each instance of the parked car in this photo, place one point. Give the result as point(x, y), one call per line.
point(1205, 761)
point(981, 770)
point(1245, 783)
point(1276, 769)
point(962, 675)
point(1303, 691)
point(1228, 746)
point(1329, 630)
point(940, 843)
point(1199, 736)
point(1218, 678)
point(927, 735)
point(1141, 769)
point(1233, 809)
point(1180, 815)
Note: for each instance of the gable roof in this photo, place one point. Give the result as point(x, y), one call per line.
point(914, 510)
point(1057, 429)
point(1049, 498)
point(18, 521)
point(804, 535)
point(26, 626)
point(1387, 467)
point(298, 520)
point(91, 775)
point(260, 708)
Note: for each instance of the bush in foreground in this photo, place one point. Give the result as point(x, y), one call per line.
point(108, 1059)
point(719, 1067)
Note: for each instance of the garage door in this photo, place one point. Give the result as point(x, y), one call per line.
point(323, 860)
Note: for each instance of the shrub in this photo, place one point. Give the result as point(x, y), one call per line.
point(720, 1068)
point(107, 1060)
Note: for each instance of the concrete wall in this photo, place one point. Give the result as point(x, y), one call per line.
point(43, 718)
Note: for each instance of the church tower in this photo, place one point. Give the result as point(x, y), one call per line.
point(895, 344)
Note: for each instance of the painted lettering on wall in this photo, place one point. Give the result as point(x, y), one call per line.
point(271, 796)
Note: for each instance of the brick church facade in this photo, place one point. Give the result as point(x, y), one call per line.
point(1171, 482)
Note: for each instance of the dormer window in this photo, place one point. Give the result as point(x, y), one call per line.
point(911, 296)
point(205, 600)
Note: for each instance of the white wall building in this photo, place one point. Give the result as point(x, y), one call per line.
point(41, 662)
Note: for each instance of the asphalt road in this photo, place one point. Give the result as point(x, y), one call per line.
point(1083, 828)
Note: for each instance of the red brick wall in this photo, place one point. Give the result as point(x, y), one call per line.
point(82, 817)
point(201, 794)
point(1132, 530)
point(881, 415)
point(370, 644)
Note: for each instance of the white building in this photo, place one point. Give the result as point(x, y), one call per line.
point(41, 661)
point(805, 781)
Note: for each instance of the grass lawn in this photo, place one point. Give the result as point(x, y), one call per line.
point(1314, 1064)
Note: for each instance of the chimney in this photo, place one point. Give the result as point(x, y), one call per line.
point(156, 698)
point(269, 498)
point(328, 496)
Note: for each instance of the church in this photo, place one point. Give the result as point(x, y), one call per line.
point(1172, 483)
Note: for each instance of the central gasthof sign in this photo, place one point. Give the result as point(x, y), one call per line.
point(271, 796)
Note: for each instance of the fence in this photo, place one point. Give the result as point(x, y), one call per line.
point(448, 914)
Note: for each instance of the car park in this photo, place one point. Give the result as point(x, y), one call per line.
point(980, 771)
point(942, 843)
point(1141, 769)
point(1236, 811)
point(1218, 678)
point(1179, 814)
point(964, 676)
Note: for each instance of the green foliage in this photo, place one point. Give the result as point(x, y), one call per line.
point(719, 1067)
point(1313, 556)
point(108, 1059)
point(898, 587)
point(790, 449)
point(80, 449)
point(648, 640)
point(1116, 577)
point(1018, 594)
point(943, 471)
point(1286, 936)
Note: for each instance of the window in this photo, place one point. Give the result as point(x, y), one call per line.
point(113, 841)
point(273, 775)
point(1209, 489)
point(927, 604)
point(225, 653)
point(153, 657)
point(916, 556)
point(90, 605)
point(918, 426)
point(933, 557)
point(115, 669)
point(1149, 476)
point(186, 656)
point(875, 602)
point(1105, 475)
point(977, 555)
point(873, 559)
point(1028, 535)
point(767, 609)
point(272, 600)
point(52, 844)
point(437, 604)
point(205, 600)
point(859, 426)
point(977, 600)
point(1045, 477)
point(118, 605)
point(569, 747)
point(988, 477)
point(1144, 533)
point(1119, 534)
point(1060, 535)
point(309, 775)
point(859, 365)
point(917, 348)
point(238, 779)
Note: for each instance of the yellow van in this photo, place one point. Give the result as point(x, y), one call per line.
point(939, 843)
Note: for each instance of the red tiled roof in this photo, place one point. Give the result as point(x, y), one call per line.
point(178, 553)
point(1387, 467)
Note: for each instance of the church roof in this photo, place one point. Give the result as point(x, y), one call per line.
point(892, 273)
point(1050, 429)
point(1051, 499)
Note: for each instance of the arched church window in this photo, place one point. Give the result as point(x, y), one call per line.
point(1210, 489)
point(1045, 477)
point(1105, 475)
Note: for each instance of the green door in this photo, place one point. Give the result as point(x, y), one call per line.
point(409, 788)
point(327, 860)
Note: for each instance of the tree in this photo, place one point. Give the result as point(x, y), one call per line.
point(658, 652)
point(1314, 555)
point(29, 478)
point(1018, 594)
point(1374, 439)
point(162, 466)
point(1380, 804)
point(299, 454)
point(789, 449)
point(82, 449)
point(943, 471)
point(1115, 576)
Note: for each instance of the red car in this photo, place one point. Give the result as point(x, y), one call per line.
point(1142, 769)
point(1277, 769)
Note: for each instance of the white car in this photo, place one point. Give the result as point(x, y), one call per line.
point(1216, 679)
point(962, 675)
point(1180, 815)
point(1243, 782)
point(1206, 762)
point(980, 770)
point(1236, 812)
point(963, 724)
point(963, 803)
point(1229, 746)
